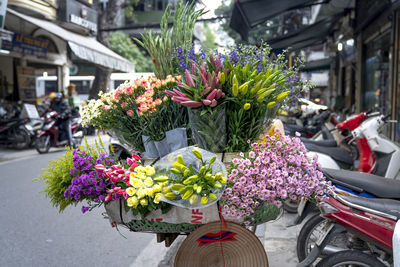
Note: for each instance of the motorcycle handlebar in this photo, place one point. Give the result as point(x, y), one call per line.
point(386, 117)
point(368, 111)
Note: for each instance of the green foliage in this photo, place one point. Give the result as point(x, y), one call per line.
point(209, 42)
point(161, 47)
point(123, 45)
point(266, 83)
point(57, 178)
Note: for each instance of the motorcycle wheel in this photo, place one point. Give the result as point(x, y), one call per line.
point(22, 139)
point(310, 233)
point(43, 144)
point(350, 258)
point(290, 206)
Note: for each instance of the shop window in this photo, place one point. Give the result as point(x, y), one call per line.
point(82, 87)
point(377, 94)
point(50, 86)
point(160, 5)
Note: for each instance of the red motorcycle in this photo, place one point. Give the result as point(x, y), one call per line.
point(364, 226)
point(49, 135)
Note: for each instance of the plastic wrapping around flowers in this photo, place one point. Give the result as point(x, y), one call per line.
point(195, 178)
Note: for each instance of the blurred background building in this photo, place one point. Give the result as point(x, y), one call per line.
point(50, 39)
point(351, 48)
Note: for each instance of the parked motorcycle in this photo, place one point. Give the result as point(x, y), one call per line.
point(365, 226)
point(49, 135)
point(378, 155)
point(13, 132)
point(308, 126)
point(33, 126)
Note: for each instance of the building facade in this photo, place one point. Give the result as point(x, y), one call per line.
point(47, 38)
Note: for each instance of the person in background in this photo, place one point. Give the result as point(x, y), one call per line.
point(61, 107)
point(73, 99)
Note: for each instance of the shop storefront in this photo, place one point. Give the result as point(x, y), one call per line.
point(41, 48)
point(377, 92)
point(395, 100)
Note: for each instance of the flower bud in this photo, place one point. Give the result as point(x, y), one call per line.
point(271, 104)
point(193, 199)
point(282, 96)
point(179, 158)
point(213, 196)
point(170, 196)
point(197, 153)
point(246, 106)
point(188, 194)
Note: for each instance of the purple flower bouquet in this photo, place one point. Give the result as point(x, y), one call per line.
point(274, 170)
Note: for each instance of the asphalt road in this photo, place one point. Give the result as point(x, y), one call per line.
point(33, 233)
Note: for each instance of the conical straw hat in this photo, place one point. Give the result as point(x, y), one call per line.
point(239, 247)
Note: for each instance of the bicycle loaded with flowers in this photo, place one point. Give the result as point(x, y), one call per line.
point(224, 102)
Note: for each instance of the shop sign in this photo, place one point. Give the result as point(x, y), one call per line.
point(83, 22)
point(77, 13)
point(26, 45)
point(30, 111)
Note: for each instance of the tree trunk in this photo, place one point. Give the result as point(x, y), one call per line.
point(108, 18)
point(101, 81)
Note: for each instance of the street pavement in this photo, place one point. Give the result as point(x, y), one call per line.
point(33, 233)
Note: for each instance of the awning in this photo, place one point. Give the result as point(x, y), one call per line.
point(334, 7)
point(305, 36)
point(246, 14)
point(84, 47)
point(321, 64)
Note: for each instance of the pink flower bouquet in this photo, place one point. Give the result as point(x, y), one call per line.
point(273, 171)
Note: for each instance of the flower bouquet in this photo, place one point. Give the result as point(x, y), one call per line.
point(204, 99)
point(135, 195)
point(140, 114)
point(232, 97)
point(273, 171)
point(196, 178)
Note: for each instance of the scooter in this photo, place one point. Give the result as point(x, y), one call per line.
point(33, 127)
point(365, 225)
point(13, 132)
point(378, 154)
point(348, 183)
point(310, 126)
point(48, 137)
point(330, 154)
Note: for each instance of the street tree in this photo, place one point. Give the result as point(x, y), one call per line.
point(108, 17)
point(123, 45)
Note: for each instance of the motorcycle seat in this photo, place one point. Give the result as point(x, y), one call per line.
point(327, 135)
point(326, 143)
point(388, 206)
point(337, 153)
point(375, 185)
